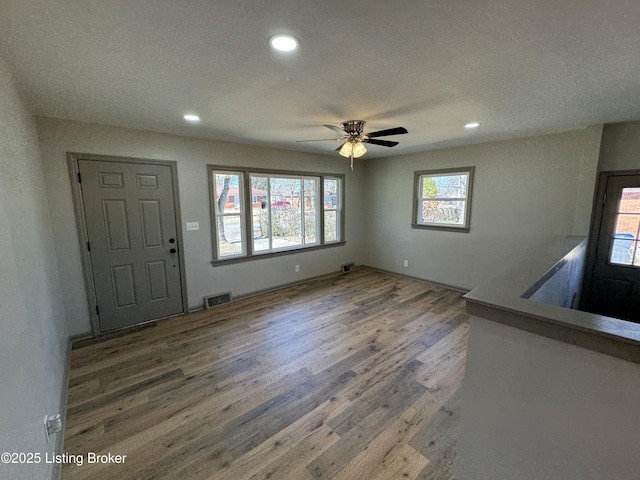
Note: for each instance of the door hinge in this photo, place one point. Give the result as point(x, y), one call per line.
point(79, 178)
point(89, 246)
point(97, 310)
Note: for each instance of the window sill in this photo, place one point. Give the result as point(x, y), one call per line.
point(438, 227)
point(229, 261)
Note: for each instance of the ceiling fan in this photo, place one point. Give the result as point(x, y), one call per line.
point(354, 139)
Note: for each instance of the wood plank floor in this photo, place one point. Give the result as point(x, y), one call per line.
point(347, 377)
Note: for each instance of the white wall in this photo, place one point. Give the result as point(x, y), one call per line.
point(620, 147)
point(534, 408)
point(526, 192)
point(57, 137)
point(33, 342)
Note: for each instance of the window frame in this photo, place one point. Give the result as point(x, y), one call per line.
point(246, 219)
point(418, 198)
point(215, 216)
point(339, 209)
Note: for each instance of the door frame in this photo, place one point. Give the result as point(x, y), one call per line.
point(594, 230)
point(83, 235)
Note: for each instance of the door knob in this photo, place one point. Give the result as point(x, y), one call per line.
point(173, 250)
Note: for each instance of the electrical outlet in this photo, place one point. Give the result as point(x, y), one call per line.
point(297, 268)
point(52, 425)
point(406, 263)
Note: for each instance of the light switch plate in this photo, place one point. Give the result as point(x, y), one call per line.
point(191, 226)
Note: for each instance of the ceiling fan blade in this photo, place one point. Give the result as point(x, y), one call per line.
point(336, 129)
point(384, 143)
point(389, 131)
point(320, 140)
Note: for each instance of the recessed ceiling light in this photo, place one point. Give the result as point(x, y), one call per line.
point(472, 125)
point(283, 43)
point(191, 118)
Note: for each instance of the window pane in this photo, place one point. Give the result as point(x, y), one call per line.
point(428, 187)
point(627, 226)
point(310, 228)
point(310, 211)
point(331, 187)
point(443, 212)
point(228, 192)
point(286, 230)
point(230, 238)
point(260, 213)
point(636, 260)
point(260, 223)
point(310, 187)
point(624, 244)
point(286, 212)
point(630, 201)
point(622, 252)
point(331, 226)
point(444, 186)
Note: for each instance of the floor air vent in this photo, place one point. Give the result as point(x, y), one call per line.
point(215, 300)
point(347, 267)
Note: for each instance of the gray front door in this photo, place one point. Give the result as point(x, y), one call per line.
point(131, 225)
point(615, 283)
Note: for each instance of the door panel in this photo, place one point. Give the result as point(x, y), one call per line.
point(116, 225)
point(131, 224)
point(615, 284)
point(151, 224)
point(157, 280)
point(147, 181)
point(111, 180)
point(124, 286)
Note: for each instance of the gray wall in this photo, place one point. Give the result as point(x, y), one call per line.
point(563, 288)
point(526, 193)
point(620, 147)
point(57, 137)
point(534, 408)
point(33, 343)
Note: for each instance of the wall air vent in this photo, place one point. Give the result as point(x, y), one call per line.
point(215, 300)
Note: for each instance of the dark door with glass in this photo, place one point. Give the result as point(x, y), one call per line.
point(614, 265)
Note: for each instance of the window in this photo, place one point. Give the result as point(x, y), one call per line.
point(332, 210)
point(442, 199)
point(229, 215)
point(624, 246)
point(257, 212)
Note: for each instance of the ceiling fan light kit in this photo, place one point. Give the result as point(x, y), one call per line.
point(357, 149)
point(346, 150)
point(354, 139)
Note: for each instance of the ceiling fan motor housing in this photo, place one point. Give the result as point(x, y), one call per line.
point(354, 128)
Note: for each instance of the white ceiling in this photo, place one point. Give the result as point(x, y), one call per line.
point(521, 67)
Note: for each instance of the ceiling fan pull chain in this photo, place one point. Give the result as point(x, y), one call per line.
point(352, 161)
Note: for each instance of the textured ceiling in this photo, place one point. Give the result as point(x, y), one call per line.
point(519, 67)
